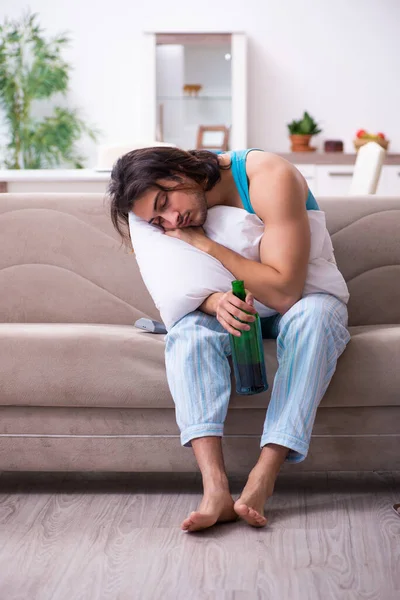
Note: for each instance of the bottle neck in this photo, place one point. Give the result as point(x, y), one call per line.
point(238, 289)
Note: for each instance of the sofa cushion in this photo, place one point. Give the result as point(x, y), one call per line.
point(368, 371)
point(120, 366)
point(46, 364)
point(365, 233)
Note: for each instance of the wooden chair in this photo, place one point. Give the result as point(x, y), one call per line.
point(367, 169)
point(204, 129)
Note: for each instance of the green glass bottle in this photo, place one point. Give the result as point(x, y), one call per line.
point(248, 353)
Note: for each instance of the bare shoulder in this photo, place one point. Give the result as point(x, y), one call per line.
point(259, 162)
point(277, 189)
point(268, 167)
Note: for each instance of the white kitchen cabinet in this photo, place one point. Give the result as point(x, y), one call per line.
point(389, 183)
point(335, 180)
point(308, 172)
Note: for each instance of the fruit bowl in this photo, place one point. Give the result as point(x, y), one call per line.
point(358, 142)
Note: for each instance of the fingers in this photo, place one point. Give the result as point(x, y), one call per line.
point(239, 313)
point(233, 315)
point(243, 306)
point(249, 298)
point(228, 318)
point(228, 327)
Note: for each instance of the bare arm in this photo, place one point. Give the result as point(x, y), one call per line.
point(210, 304)
point(278, 198)
point(226, 306)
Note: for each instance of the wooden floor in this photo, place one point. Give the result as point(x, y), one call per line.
point(117, 536)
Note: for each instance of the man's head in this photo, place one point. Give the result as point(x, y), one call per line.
point(165, 186)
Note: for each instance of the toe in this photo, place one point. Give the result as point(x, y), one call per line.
point(198, 520)
point(261, 519)
point(188, 522)
point(251, 515)
point(241, 509)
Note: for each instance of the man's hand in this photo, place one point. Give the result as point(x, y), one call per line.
point(229, 307)
point(195, 236)
point(226, 306)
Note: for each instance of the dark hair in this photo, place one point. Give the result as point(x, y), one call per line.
point(139, 170)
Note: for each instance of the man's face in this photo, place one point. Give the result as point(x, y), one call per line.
point(173, 209)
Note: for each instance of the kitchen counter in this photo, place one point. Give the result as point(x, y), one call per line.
point(327, 174)
point(53, 180)
point(331, 158)
point(53, 175)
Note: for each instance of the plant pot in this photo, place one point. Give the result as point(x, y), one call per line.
point(301, 143)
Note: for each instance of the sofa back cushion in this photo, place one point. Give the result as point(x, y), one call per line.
point(365, 232)
point(61, 260)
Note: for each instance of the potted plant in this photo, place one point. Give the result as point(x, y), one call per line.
point(33, 69)
point(301, 133)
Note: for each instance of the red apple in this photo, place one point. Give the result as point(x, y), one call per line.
point(381, 135)
point(361, 133)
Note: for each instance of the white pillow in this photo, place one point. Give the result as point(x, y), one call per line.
point(179, 277)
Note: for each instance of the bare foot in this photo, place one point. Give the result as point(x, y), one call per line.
point(250, 505)
point(215, 507)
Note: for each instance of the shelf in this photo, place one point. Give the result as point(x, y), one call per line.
point(164, 98)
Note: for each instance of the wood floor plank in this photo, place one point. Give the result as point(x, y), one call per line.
point(93, 537)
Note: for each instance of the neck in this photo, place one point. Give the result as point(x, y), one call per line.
point(223, 191)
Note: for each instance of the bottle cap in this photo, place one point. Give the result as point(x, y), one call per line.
point(238, 289)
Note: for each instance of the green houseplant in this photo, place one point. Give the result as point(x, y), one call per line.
point(301, 133)
point(32, 69)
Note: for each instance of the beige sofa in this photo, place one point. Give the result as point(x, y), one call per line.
point(81, 389)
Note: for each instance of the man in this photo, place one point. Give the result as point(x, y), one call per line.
point(173, 189)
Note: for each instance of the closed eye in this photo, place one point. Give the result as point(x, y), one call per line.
point(165, 202)
point(163, 206)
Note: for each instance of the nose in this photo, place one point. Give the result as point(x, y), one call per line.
point(172, 219)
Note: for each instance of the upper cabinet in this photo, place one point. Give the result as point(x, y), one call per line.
point(194, 89)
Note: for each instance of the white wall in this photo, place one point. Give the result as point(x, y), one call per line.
point(338, 59)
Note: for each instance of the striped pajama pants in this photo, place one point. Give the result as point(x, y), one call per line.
point(310, 338)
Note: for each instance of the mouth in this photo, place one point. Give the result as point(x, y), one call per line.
point(186, 220)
